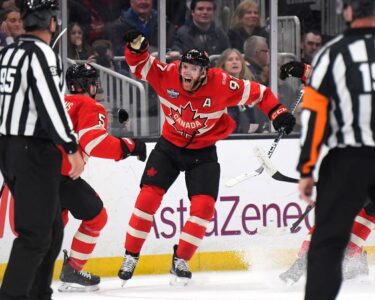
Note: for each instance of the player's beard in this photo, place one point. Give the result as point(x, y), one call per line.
point(191, 85)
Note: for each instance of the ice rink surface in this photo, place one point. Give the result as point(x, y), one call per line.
point(240, 285)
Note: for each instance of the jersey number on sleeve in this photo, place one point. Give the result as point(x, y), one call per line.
point(101, 120)
point(233, 85)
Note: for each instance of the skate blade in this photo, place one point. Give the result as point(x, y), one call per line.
point(362, 279)
point(287, 282)
point(76, 288)
point(179, 281)
point(123, 282)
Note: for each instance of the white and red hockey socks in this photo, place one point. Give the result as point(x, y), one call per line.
point(84, 241)
point(148, 202)
point(362, 227)
point(202, 209)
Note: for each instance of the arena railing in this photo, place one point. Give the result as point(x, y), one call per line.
point(120, 91)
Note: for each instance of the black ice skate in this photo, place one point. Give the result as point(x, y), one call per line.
point(180, 270)
point(77, 281)
point(128, 266)
point(295, 272)
point(353, 267)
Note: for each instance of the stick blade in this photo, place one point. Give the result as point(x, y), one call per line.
point(238, 179)
point(264, 160)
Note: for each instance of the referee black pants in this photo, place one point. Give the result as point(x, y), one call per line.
point(346, 178)
point(31, 168)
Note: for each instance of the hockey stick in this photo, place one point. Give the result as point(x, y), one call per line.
point(270, 168)
point(278, 231)
point(238, 179)
point(58, 37)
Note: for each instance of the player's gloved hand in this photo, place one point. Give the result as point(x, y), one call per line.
point(133, 147)
point(123, 115)
point(282, 119)
point(295, 69)
point(135, 40)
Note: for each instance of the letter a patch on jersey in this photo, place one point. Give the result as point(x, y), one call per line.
point(207, 102)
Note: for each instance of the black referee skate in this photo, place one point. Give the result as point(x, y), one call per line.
point(128, 266)
point(181, 274)
point(77, 281)
point(353, 267)
point(295, 272)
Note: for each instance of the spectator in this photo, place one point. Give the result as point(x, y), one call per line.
point(11, 26)
point(103, 53)
point(256, 53)
point(141, 16)
point(245, 23)
point(176, 12)
point(93, 15)
point(231, 60)
point(78, 47)
point(310, 44)
point(4, 4)
point(200, 32)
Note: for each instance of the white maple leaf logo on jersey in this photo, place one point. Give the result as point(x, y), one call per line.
point(186, 120)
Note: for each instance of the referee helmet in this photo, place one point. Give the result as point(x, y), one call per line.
point(361, 8)
point(37, 14)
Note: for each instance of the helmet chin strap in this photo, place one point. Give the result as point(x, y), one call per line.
point(200, 80)
point(92, 95)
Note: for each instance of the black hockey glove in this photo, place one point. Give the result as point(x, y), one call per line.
point(139, 148)
point(135, 41)
point(123, 115)
point(282, 119)
point(292, 69)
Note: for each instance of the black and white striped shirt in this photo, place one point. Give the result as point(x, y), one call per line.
point(32, 93)
point(339, 102)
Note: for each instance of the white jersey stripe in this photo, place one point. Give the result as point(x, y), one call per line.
point(146, 68)
point(94, 142)
point(365, 110)
point(320, 70)
point(358, 51)
point(345, 103)
point(246, 92)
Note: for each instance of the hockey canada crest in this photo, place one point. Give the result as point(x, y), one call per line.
point(173, 93)
point(187, 121)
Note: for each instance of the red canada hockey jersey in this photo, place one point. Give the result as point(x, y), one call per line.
point(200, 115)
point(90, 122)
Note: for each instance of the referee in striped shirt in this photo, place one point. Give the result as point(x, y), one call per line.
point(33, 121)
point(339, 110)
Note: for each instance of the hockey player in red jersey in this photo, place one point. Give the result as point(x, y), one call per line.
point(194, 99)
point(77, 196)
point(355, 261)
